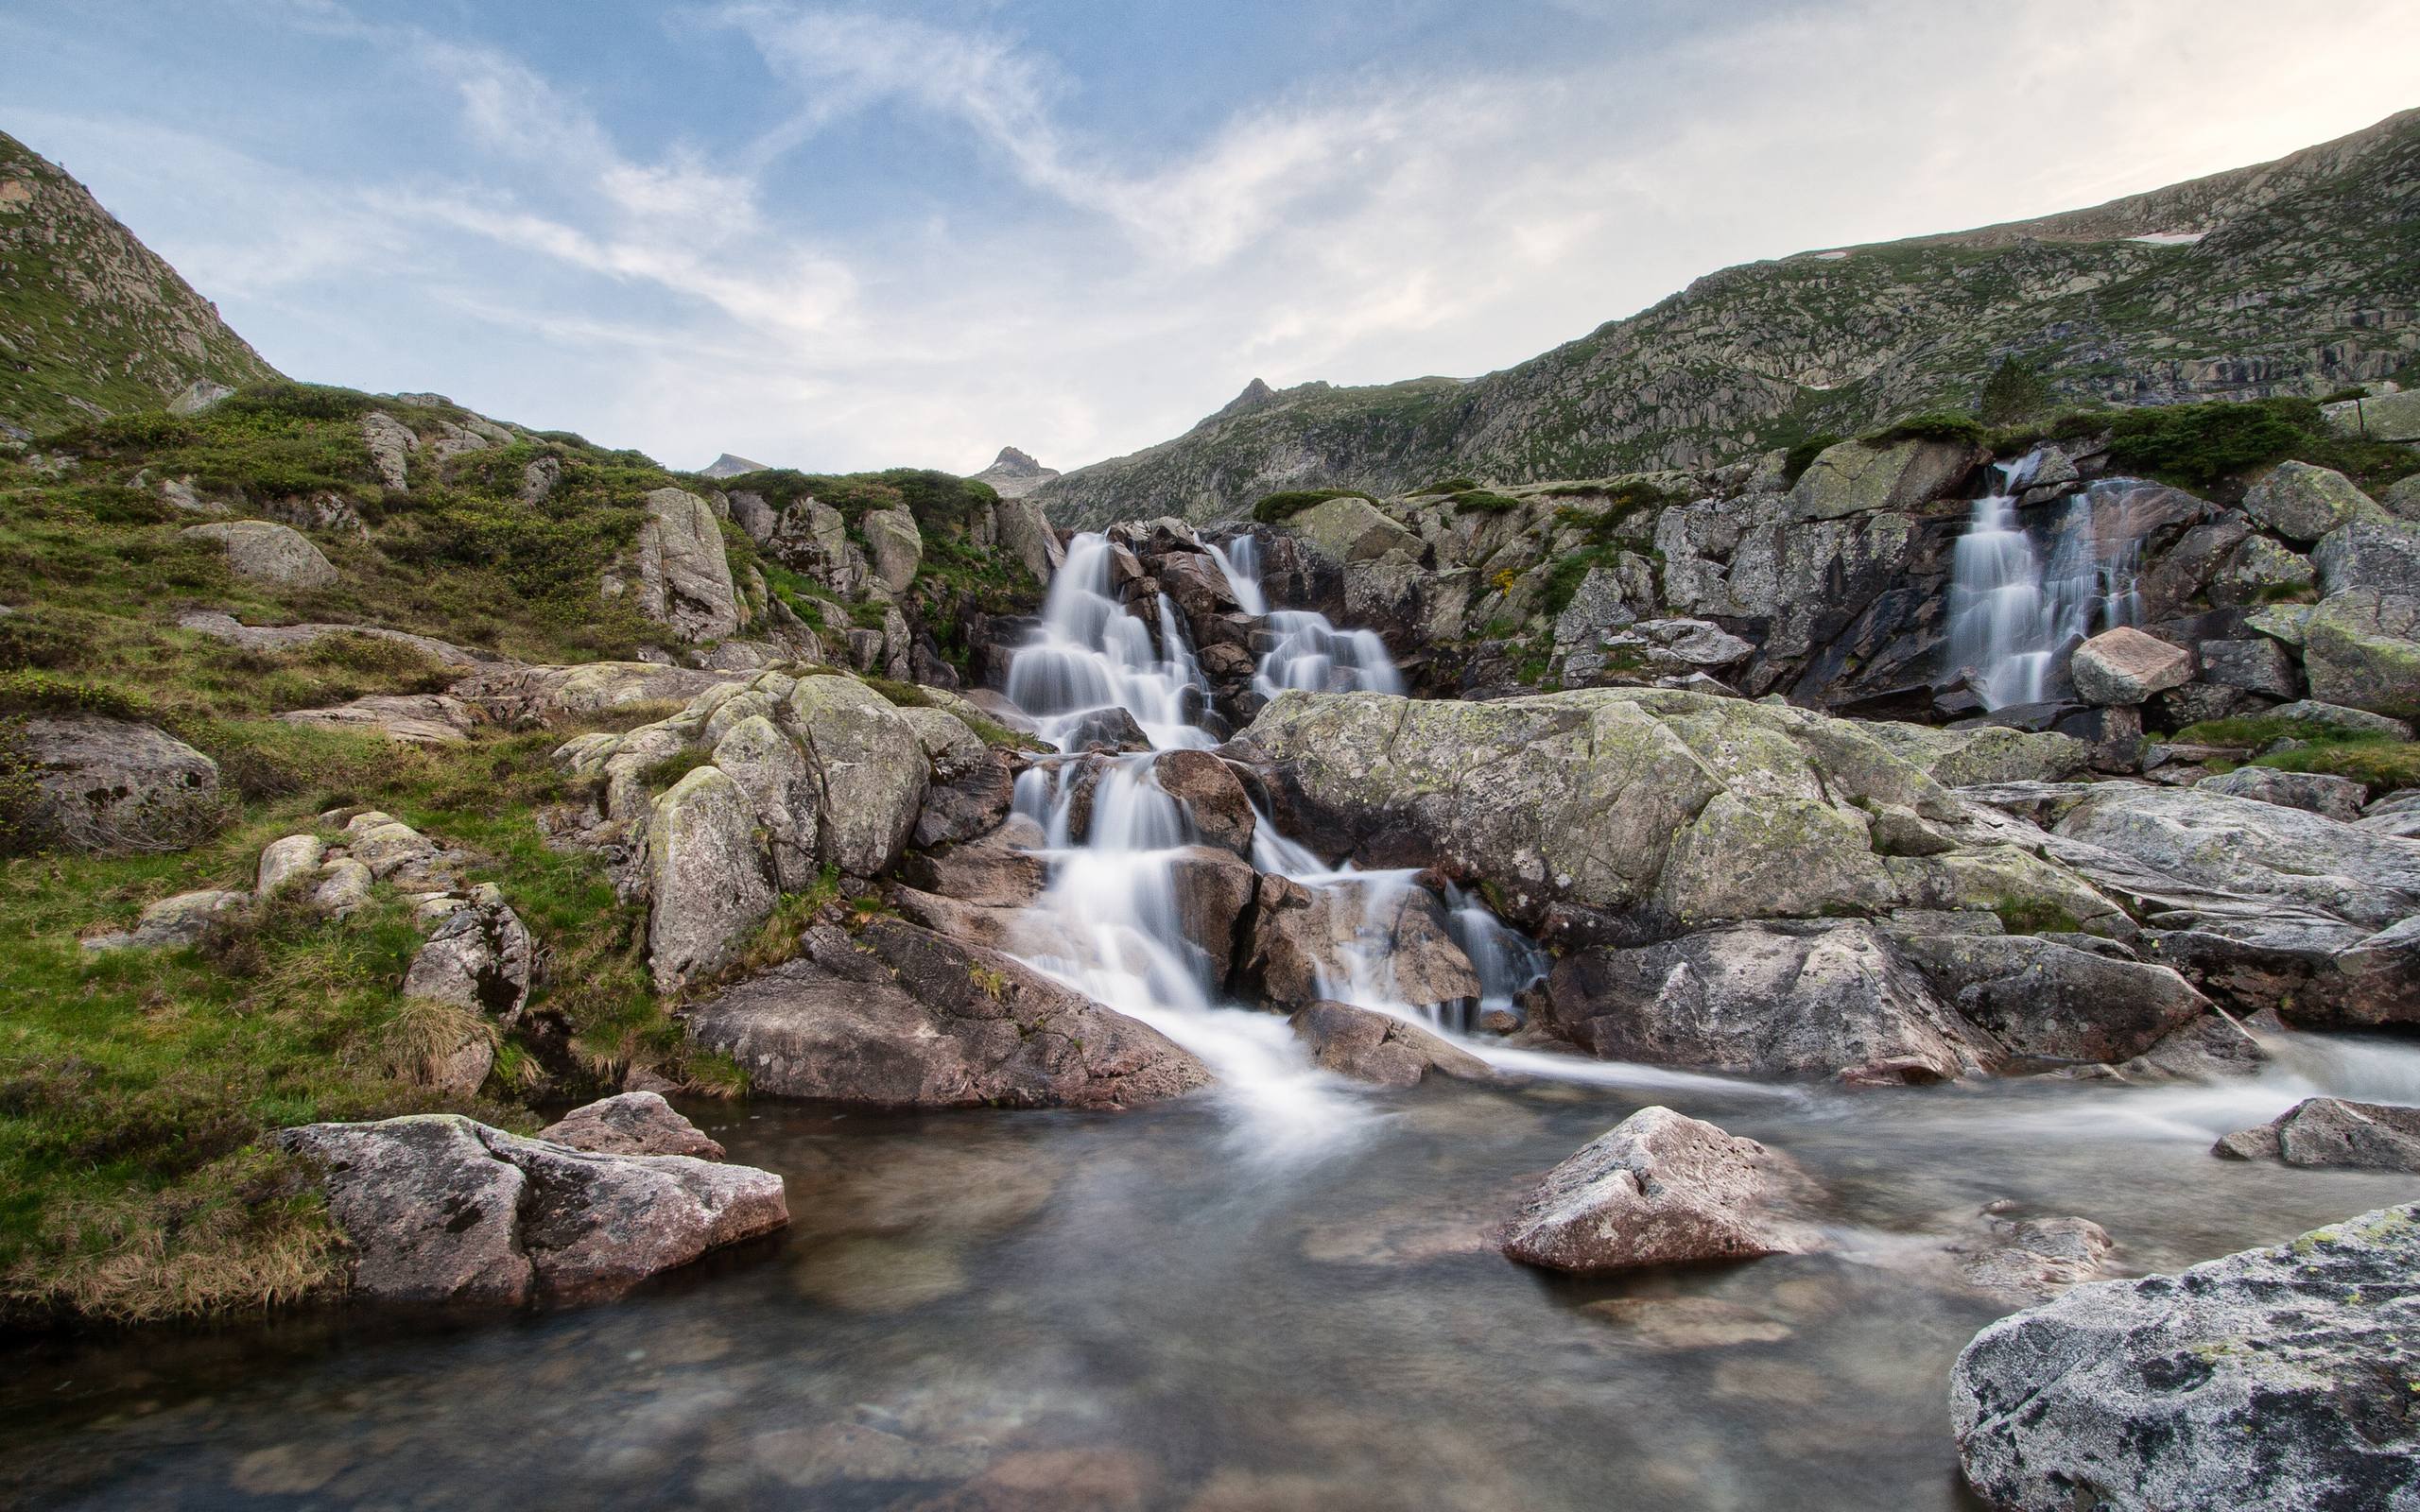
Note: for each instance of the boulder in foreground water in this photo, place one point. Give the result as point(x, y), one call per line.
point(2330, 1131)
point(2271, 1380)
point(441, 1209)
point(1371, 1046)
point(1663, 1189)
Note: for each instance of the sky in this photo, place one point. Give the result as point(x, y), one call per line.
point(908, 234)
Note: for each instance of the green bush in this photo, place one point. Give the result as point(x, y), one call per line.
point(2015, 390)
point(1480, 501)
point(2198, 446)
point(40, 693)
point(1938, 426)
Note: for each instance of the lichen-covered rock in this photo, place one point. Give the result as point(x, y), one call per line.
point(1855, 478)
point(898, 1016)
point(391, 444)
point(2333, 1131)
point(708, 884)
point(440, 1208)
point(2335, 797)
point(1662, 1189)
point(186, 918)
point(2374, 552)
point(2378, 417)
point(2361, 648)
point(2271, 1380)
point(399, 855)
point(479, 958)
point(784, 792)
point(1371, 1046)
point(635, 1123)
point(114, 785)
point(287, 860)
point(1771, 1000)
point(2303, 502)
point(874, 768)
point(268, 554)
point(2257, 665)
point(2040, 998)
point(1689, 808)
point(518, 695)
point(1986, 753)
point(2247, 847)
point(414, 718)
point(1025, 533)
point(683, 576)
point(1351, 529)
point(893, 545)
point(2126, 666)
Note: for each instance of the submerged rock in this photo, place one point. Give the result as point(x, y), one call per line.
point(898, 1016)
point(441, 1209)
point(1660, 1189)
point(2273, 1381)
point(2030, 1259)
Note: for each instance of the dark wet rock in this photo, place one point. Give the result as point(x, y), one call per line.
point(899, 1016)
point(633, 1122)
point(2276, 1380)
point(1770, 999)
point(1371, 1046)
point(440, 1208)
point(2333, 1131)
point(967, 804)
point(2315, 971)
point(1213, 797)
point(1214, 891)
point(1111, 729)
point(1661, 1189)
point(112, 785)
point(2210, 1048)
point(2042, 999)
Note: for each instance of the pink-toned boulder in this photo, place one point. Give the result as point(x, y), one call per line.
point(2126, 666)
point(1663, 1189)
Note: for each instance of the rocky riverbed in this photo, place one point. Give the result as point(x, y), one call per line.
point(1169, 1308)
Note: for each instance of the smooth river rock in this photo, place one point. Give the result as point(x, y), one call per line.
point(2332, 1131)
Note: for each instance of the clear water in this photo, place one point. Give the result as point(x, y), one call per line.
point(1109, 1301)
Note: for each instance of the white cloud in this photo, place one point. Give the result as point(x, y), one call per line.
point(685, 299)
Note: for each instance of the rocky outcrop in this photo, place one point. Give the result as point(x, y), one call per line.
point(2303, 503)
point(631, 1124)
point(479, 956)
point(1764, 999)
point(1662, 1189)
point(271, 555)
point(2331, 1131)
point(873, 768)
point(1376, 1047)
point(708, 880)
point(2333, 797)
point(413, 718)
point(439, 1208)
point(185, 918)
point(115, 786)
point(519, 696)
point(1673, 809)
point(227, 627)
point(2275, 1380)
point(2125, 666)
point(2361, 648)
point(1013, 475)
point(683, 577)
point(899, 1016)
point(1857, 478)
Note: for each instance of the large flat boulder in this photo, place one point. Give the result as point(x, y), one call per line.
point(899, 1016)
point(2271, 1380)
point(2126, 666)
point(440, 1208)
point(1662, 1189)
point(2303, 502)
point(2042, 998)
point(537, 696)
point(1855, 478)
point(115, 786)
point(1371, 1046)
point(1680, 807)
point(413, 718)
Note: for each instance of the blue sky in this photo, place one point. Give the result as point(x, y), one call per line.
point(840, 237)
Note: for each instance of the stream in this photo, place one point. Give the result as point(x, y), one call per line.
point(1274, 1294)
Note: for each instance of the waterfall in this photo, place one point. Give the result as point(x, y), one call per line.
point(1308, 652)
point(2011, 620)
point(1240, 561)
point(1090, 654)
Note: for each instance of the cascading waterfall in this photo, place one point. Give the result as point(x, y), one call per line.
point(2010, 618)
point(1309, 653)
point(1111, 921)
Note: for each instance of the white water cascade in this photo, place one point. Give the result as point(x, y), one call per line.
point(1111, 921)
point(1310, 653)
point(2011, 619)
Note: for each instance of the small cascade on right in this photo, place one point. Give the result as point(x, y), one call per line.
point(1309, 651)
point(2012, 619)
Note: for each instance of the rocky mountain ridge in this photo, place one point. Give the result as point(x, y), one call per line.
point(2292, 277)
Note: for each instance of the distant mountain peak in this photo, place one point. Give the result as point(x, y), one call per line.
point(730, 466)
point(1014, 474)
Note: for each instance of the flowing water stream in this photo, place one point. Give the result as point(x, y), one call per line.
point(2014, 615)
point(1274, 1296)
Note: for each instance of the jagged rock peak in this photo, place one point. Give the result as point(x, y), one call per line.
point(1014, 474)
point(731, 465)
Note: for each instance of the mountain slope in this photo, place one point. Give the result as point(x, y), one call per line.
point(91, 319)
point(2305, 277)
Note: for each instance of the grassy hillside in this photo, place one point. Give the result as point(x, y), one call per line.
point(91, 323)
point(2306, 278)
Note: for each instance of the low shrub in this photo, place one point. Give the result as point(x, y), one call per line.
point(1278, 508)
